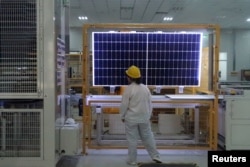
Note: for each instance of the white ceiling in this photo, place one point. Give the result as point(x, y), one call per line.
point(226, 13)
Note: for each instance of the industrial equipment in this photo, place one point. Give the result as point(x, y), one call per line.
point(170, 129)
point(245, 75)
point(20, 128)
point(27, 83)
point(234, 116)
point(169, 56)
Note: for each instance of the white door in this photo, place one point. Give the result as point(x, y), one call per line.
point(237, 124)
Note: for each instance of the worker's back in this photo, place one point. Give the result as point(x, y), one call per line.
point(139, 107)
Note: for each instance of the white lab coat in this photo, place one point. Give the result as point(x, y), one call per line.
point(136, 104)
point(136, 110)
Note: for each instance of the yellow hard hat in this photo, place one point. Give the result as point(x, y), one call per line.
point(133, 72)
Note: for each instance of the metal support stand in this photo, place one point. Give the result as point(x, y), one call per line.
point(196, 124)
point(99, 124)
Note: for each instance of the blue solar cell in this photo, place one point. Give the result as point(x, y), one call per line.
point(170, 59)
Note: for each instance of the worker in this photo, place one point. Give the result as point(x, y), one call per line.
point(136, 110)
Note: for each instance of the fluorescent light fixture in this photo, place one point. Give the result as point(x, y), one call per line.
point(83, 18)
point(248, 19)
point(221, 17)
point(168, 18)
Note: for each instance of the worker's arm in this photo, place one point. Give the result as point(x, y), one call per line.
point(124, 105)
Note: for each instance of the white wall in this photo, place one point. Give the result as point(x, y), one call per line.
point(75, 39)
point(242, 45)
point(236, 43)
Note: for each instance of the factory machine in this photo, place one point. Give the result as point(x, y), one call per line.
point(234, 116)
point(28, 82)
point(177, 64)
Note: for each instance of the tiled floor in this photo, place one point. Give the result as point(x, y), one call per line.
point(117, 158)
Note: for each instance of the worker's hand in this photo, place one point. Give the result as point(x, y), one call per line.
point(123, 120)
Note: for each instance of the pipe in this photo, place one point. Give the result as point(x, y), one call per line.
point(234, 51)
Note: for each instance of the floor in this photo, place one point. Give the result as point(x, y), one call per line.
point(117, 158)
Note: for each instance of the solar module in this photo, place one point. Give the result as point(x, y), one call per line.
point(165, 59)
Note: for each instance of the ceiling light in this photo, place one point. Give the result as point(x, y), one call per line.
point(248, 20)
point(168, 18)
point(220, 17)
point(83, 18)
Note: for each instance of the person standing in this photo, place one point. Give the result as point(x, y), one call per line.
point(136, 110)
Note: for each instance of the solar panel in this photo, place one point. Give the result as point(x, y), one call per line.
point(173, 59)
point(166, 59)
point(114, 53)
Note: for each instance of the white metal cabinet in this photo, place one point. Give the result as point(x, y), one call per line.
point(237, 123)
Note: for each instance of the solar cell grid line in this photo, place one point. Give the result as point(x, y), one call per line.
point(167, 58)
point(113, 53)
